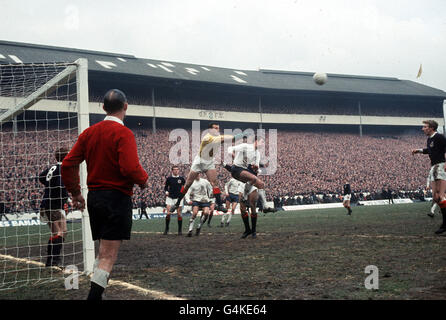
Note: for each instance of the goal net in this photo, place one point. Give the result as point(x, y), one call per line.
point(43, 107)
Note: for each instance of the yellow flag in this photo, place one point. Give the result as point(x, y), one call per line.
point(420, 71)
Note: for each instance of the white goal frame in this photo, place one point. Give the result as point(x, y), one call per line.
point(79, 68)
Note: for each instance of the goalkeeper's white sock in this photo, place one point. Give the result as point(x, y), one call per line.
point(100, 277)
point(229, 217)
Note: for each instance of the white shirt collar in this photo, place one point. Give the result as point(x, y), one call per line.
point(175, 176)
point(433, 134)
point(113, 118)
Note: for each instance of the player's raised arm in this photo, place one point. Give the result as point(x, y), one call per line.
point(423, 151)
point(238, 148)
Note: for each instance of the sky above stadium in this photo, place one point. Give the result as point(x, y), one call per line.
point(369, 37)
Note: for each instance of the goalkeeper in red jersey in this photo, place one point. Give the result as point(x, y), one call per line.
point(109, 149)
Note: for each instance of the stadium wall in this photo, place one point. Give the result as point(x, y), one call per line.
point(197, 114)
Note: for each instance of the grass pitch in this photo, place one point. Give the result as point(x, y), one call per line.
point(312, 254)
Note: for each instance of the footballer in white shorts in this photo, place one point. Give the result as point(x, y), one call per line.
point(171, 202)
point(246, 190)
point(200, 165)
point(437, 172)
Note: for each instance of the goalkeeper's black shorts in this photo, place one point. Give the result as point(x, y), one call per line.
point(110, 214)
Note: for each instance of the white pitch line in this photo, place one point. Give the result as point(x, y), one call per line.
point(155, 293)
point(147, 232)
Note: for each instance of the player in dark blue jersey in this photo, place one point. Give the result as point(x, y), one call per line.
point(436, 147)
point(52, 207)
point(347, 194)
point(172, 188)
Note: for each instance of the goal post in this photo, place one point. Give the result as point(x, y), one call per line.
point(84, 123)
point(43, 106)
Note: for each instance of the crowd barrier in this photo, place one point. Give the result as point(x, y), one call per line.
point(32, 219)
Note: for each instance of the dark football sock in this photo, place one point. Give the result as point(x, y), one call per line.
point(57, 246)
point(217, 195)
point(50, 247)
point(245, 218)
point(180, 224)
point(96, 292)
point(443, 213)
point(253, 222)
point(167, 222)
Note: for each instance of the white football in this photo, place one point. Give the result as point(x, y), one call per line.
point(320, 78)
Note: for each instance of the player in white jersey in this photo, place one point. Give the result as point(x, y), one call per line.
point(245, 167)
point(204, 162)
point(198, 197)
point(232, 199)
point(245, 155)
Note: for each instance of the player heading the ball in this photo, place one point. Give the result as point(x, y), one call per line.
point(204, 163)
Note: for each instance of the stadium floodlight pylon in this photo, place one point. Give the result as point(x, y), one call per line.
point(43, 106)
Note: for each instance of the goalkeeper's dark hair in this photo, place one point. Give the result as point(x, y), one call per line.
point(211, 124)
point(114, 100)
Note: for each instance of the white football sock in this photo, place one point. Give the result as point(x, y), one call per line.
point(434, 207)
point(191, 224)
point(100, 277)
point(262, 196)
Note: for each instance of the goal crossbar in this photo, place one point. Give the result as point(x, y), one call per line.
point(40, 93)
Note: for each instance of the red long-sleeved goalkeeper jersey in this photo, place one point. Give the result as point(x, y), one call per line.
point(109, 149)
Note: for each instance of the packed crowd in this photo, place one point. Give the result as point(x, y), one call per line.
point(311, 167)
